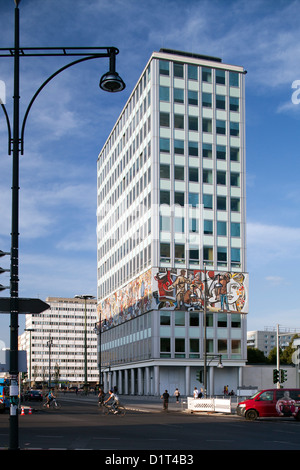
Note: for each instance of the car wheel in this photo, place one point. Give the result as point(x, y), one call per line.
point(251, 415)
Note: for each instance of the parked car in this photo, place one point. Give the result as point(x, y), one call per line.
point(271, 403)
point(33, 395)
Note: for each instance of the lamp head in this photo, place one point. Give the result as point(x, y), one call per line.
point(111, 82)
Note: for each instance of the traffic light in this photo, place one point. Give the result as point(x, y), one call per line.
point(275, 376)
point(283, 375)
point(199, 376)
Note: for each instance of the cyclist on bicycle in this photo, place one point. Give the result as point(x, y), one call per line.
point(50, 398)
point(115, 400)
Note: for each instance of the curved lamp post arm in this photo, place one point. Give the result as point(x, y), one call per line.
point(113, 52)
point(8, 128)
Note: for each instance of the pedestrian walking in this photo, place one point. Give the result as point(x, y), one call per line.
point(196, 392)
point(165, 397)
point(177, 395)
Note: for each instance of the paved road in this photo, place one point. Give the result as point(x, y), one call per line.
point(79, 425)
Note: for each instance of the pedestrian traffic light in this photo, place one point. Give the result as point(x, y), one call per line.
point(275, 376)
point(283, 375)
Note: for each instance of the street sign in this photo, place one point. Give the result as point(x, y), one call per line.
point(24, 305)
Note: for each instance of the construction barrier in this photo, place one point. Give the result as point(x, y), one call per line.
point(218, 405)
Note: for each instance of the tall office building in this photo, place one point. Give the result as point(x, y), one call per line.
point(172, 281)
point(61, 342)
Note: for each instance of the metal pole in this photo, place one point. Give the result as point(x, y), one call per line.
point(14, 272)
point(278, 359)
point(204, 338)
point(85, 348)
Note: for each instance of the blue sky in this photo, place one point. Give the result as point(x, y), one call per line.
point(71, 119)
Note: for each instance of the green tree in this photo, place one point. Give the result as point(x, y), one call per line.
point(256, 356)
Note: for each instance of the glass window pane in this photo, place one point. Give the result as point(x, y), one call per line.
point(164, 171)
point(179, 146)
point(164, 145)
point(221, 152)
point(206, 75)
point(164, 93)
point(164, 197)
point(179, 224)
point(179, 173)
point(235, 229)
point(193, 123)
point(208, 227)
point(222, 228)
point(178, 121)
point(194, 199)
point(220, 77)
point(193, 97)
point(193, 149)
point(165, 318)
point(192, 72)
point(164, 119)
point(179, 95)
point(193, 174)
point(207, 201)
point(178, 70)
point(233, 79)
point(207, 150)
point(206, 100)
point(179, 198)
point(220, 101)
point(164, 67)
point(179, 318)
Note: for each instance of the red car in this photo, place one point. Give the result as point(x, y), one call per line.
point(271, 403)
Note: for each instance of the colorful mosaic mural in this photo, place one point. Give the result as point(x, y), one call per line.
point(176, 289)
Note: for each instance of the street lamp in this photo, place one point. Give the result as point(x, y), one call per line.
point(85, 298)
point(109, 82)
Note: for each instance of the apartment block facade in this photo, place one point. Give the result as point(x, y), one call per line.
point(172, 280)
point(61, 343)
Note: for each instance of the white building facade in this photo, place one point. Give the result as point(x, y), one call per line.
point(56, 339)
point(171, 230)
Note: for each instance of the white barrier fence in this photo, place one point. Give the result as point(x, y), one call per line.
point(218, 405)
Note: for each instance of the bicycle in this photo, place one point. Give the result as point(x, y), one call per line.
point(52, 404)
point(118, 409)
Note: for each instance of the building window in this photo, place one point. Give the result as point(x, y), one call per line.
point(179, 224)
point(164, 223)
point(207, 201)
point(164, 67)
point(234, 154)
point(220, 127)
point(235, 229)
point(208, 227)
point(179, 253)
point(234, 129)
point(164, 197)
point(208, 255)
point(179, 173)
point(193, 97)
point(222, 228)
point(179, 198)
point(193, 174)
point(221, 152)
point(194, 225)
point(235, 256)
point(235, 204)
point(194, 319)
point(164, 93)
point(179, 347)
point(178, 70)
point(221, 177)
point(164, 119)
point(164, 171)
point(207, 150)
point(178, 121)
point(235, 320)
point(165, 347)
point(236, 346)
point(192, 72)
point(194, 255)
point(220, 101)
point(207, 176)
point(193, 123)
point(234, 104)
point(222, 346)
point(220, 77)
point(164, 145)
point(194, 348)
point(165, 318)
point(179, 318)
point(206, 100)
point(193, 149)
point(178, 95)
point(206, 75)
point(222, 255)
point(207, 125)
point(165, 252)
point(179, 146)
point(221, 203)
point(194, 199)
point(233, 79)
point(235, 179)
